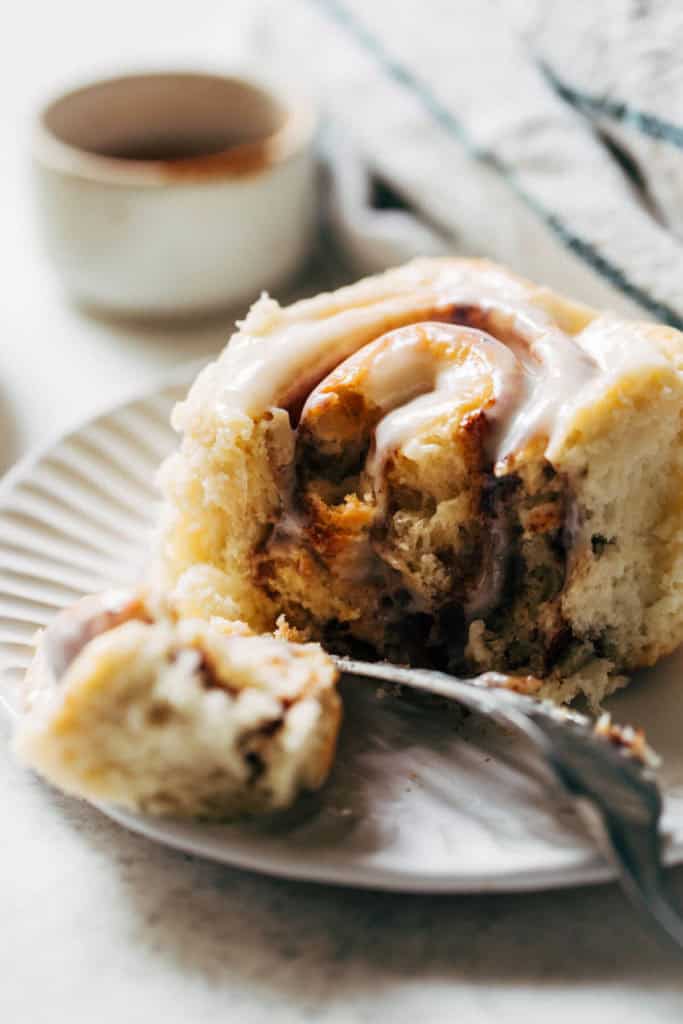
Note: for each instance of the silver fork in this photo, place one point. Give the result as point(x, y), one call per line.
point(608, 774)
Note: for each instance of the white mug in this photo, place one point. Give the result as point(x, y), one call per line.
point(174, 193)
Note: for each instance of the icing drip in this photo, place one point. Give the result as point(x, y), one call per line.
point(556, 370)
point(420, 374)
point(541, 377)
point(418, 378)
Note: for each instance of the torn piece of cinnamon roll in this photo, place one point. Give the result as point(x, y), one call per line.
point(445, 465)
point(184, 718)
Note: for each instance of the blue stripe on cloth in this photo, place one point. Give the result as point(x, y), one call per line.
point(617, 110)
point(581, 247)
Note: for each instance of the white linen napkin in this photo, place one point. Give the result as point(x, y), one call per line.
point(538, 132)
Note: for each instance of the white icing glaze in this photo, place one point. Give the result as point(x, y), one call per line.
point(292, 359)
point(541, 376)
point(556, 369)
point(283, 352)
point(415, 387)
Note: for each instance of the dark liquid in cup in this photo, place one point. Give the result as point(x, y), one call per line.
point(151, 148)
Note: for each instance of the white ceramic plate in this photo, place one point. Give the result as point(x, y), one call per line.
point(411, 805)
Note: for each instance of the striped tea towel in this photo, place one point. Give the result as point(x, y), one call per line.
point(538, 132)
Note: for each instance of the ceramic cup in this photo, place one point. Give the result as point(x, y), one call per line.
point(174, 193)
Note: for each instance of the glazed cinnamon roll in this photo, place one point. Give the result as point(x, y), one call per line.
point(444, 465)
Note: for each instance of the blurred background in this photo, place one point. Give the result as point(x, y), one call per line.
point(57, 363)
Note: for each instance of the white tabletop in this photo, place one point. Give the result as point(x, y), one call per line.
point(101, 925)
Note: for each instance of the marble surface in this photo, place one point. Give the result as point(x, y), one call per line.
point(101, 925)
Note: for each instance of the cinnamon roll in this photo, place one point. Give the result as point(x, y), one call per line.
point(184, 718)
point(444, 465)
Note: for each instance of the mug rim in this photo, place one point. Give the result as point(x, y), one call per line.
point(239, 160)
